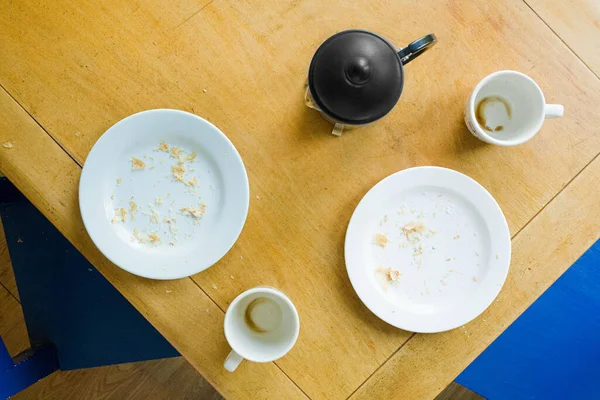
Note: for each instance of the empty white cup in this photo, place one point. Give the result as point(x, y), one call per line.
point(508, 108)
point(261, 325)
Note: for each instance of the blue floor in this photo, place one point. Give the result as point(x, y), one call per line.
point(552, 351)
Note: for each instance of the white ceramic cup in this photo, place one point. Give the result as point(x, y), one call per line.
point(508, 108)
point(261, 325)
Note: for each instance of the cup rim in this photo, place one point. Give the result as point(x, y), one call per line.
point(504, 142)
point(280, 295)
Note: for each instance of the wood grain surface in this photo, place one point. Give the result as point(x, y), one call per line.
point(178, 309)
point(80, 67)
point(577, 23)
point(171, 378)
point(7, 278)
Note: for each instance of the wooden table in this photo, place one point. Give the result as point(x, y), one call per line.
point(71, 69)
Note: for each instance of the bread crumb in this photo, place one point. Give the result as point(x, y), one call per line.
point(19, 240)
point(257, 197)
point(411, 230)
point(151, 167)
point(7, 145)
point(474, 278)
point(178, 170)
point(112, 196)
point(204, 90)
point(444, 282)
point(448, 259)
point(120, 215)
point(170, 219)
point(168, 291)
point(132, 208)
point(189, 158)
point(119, 180)
point(155, 217)
point(154, 238)
point(171, 243)
point(451, 270)
point(176, 151)
point(172, 229)
point(418, 251)
point(214, 286)
point(391, 274)
point(163, 147)
point(381, 240)
point(158, 201)
point(232, 277)
point(456, 237)
point(192, 182)
point(136, 163)
point(197, 212)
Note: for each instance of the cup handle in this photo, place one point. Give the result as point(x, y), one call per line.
point(416, 48)
point(553, 110)
point(232, 361)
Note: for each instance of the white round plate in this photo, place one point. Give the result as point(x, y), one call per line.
point(450, 271)
point(162, 241)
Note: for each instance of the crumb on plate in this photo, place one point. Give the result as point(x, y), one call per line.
point(7, 145)
point(136, 163)
point(192, 182)
point(189, 158)
point(172, 229)
point(390, 274)
point(214, 286)
point(158, 201)
point(381, 240)
point(474, 278)
point(411, 229)
point(178, 170)
point(176, 151)
point(196, 212)
point(456, 237)
point(120, 215)
point(119, 180)
point(132, 208)
point(163, 147)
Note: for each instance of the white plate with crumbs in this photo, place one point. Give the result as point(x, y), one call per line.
point(164, 194)
point(427, 249)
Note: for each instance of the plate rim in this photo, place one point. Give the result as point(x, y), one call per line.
point(93, 232)
point(360, 288)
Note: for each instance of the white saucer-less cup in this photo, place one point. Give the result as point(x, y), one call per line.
point(515, 111)
point(261, 325)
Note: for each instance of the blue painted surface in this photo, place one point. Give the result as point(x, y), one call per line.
point(66, 301)
point(5, 358)
point(30, 367)
point(552, 351)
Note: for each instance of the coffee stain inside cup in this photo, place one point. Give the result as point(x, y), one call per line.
point(490, 101)
point(262, 315)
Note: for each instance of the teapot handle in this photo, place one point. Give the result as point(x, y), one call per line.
point(416, 48)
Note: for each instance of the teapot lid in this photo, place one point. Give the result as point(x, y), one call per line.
point(356, 77)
